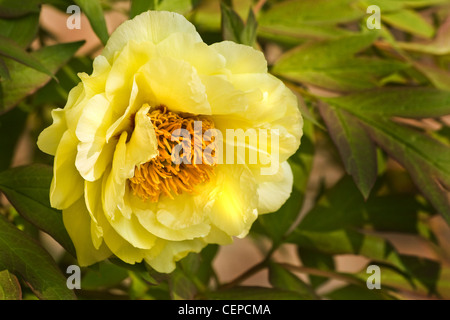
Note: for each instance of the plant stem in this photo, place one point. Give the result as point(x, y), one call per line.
point(250, 272)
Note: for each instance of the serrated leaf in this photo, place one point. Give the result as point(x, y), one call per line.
point(9, 286)
point(357, 150)
point(94, 12)
point(281, 278)
point(25, 80)
point(22, 256)
point(28, 188)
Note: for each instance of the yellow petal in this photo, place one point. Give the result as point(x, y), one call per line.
point(151, 26)
point(168, 252)
point(147, 213)
point(91, 131)
point(185, 46)
point(273, 190)
point(67, 184)
point(223, 97)
point(77, 222)
point(175, 84)
point(235, 207)
point(121, 77)
point(240, 58)
point(117, 210)
point(93, 192)
point(49, 139)
point(118, 245)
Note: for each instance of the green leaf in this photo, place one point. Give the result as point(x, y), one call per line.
point(317, 260)
point(353, 292)
point(22, 256)
point(4, 73)
point(9, 286)
point(425, 159)
point(248, 35)
point(179, 6)
point(28, 188)
point(94, 12)
point(426, 277)
point(253, 293)
point(232, 24)
point(10, 49)
point(308, 18)
point(23, 30)
point(13, 8)
point(332, 64)
point(357, 151)
point(12, 125)
point(25, 80)
point(139, 6)
point(408, 102)
point(281, 278)
point(181, 286)
point(277, 225)
point(440, 45)
point(331, 227)
point(106, 276)
point(438, 77)
point(409, 21)
point(198, 266)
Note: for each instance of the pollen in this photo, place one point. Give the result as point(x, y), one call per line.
point(162, 176)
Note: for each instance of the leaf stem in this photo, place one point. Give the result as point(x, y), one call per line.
point(250, 272)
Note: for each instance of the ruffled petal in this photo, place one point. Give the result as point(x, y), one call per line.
point(67, 185)
point(166, 253)
point(49, 139)
point(240, 58)
point(149, 26)
point(176, 85)
point(77, 222)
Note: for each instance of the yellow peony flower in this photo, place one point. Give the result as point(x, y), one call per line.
point(120, 188)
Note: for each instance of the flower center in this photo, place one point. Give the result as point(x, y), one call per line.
point(162, 175)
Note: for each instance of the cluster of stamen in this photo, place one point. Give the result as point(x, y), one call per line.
point(161, 175)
